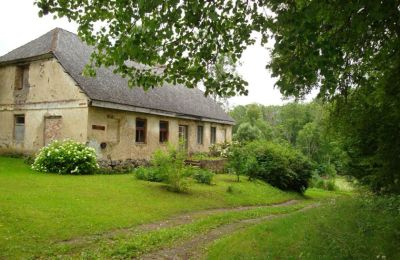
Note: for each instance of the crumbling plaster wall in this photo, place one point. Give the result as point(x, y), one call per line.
point(126, 147)
point(50, 92)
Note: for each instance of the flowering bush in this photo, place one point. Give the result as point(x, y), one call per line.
point(66, 157)
point(220, 149)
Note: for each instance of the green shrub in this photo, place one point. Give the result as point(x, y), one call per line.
point(247, 133)
point(29, 159)
point(203, 176)
point(219, 149)
point(279, 165)
point(327, 170)
point(149, 174)
point(323, 183)
point(171, 168)
point(330, 185)
point(66, 157)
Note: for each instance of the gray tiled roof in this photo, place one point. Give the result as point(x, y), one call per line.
point(73, 54)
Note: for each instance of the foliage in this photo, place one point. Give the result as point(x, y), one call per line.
point(350, 51)
point(151, 173)
point(155, 33)
point(204, 156)
point(66, 157)
point(247, 133)
point(280, 166)
point(250, 125)
point(347, 228)
point(220, 149)
point(368, 123)
point(203, 176)
point(323, 183)
point(325, 170)
point(237, 162)
point(306, 127)
point(170, 167)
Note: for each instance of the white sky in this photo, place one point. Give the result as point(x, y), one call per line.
point(20, 24)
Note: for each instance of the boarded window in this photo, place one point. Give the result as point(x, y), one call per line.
point(52, 128)
point(22, 77)
point(140, 130)
point(19, 128)
point(112, 130)
point(163, 131)
point(200, 131)
point(213, 135)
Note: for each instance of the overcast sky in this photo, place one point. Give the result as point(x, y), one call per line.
point(21, 24)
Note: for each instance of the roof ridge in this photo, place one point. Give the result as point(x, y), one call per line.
point(54, 40)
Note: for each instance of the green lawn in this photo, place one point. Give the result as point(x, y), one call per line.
point(37, 210)
point(346, 228)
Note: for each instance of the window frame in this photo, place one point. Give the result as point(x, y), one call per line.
point(200, 138)
point(213, 135)
point(21, 76)
point(143, 129)
point(162, 131)
point(16, 124)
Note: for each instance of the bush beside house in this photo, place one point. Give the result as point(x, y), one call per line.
point(66, 157)
point(279, 165)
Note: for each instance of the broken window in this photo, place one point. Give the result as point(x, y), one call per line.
point(213, 135)
point(22, 77)
point(163, 131)
point(200, 130)
point(19, 128)
point(140, 130)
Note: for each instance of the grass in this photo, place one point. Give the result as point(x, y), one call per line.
point(133, 244)
point(346, 228)
point(38, 210)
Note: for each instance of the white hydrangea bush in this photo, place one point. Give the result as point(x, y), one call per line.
point(66, 157)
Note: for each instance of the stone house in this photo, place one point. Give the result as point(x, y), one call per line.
point(44, 96)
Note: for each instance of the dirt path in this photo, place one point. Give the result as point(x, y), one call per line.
point(193, 248)
point(171, 222)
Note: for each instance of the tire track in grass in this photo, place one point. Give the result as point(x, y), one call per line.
point(171, 222)
point(194, 248)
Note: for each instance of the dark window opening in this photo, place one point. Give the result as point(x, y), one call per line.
point(200, 131)
point(19, 128)
point(22, 77)
point(213, 135)
point(99, 127)
point(225, 135)
point(140, 130)
point(163, 131)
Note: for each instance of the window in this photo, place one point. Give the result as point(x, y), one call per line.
point(163, 131)
point(19, 128)
point(225, 135)
point(22, 77)
point(200, 130)
point(140, 130)
point(213, 135)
